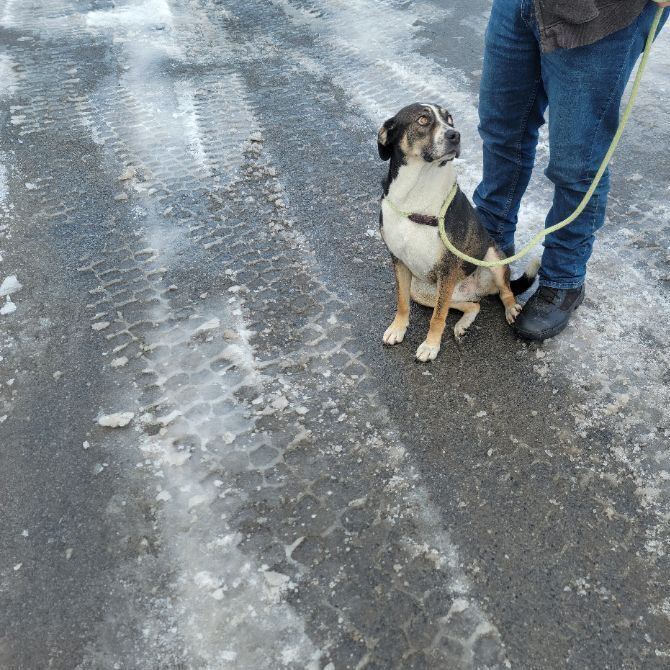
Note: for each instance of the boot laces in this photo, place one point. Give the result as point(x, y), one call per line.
point(548, 294)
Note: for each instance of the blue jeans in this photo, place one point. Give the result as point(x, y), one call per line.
point(583, 89)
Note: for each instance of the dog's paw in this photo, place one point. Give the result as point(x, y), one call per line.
point(512, 312)
point(427, 352)
point(394, 334)
point(459, 331)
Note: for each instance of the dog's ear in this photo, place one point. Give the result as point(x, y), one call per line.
point(385, 138)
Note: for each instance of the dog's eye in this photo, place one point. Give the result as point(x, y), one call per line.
point(450, 121)
point(423, 120)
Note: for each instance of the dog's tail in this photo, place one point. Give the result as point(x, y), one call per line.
point(525, 281)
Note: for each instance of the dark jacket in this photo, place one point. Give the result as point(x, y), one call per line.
point(565, 24)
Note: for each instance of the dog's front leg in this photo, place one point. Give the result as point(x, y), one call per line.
point(403, 278)
point(430, 347)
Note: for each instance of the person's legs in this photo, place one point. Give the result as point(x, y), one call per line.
point(584, 87)
point(511, 108)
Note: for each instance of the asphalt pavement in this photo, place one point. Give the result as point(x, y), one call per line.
point(208, 459)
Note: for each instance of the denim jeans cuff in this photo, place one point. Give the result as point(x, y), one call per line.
point(562, 285)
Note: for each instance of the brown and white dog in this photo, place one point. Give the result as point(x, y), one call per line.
point(421, 142)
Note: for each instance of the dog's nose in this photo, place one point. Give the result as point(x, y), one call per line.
point(453, 136)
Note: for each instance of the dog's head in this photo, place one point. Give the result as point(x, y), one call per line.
point(420, 132)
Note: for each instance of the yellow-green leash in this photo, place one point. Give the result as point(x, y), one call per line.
point(587, 195)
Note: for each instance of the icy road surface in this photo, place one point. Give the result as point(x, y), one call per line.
point(207, 458)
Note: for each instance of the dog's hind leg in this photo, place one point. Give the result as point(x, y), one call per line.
point(395, 333)
point(423, 292)
point(470, 311)
point(501, 277)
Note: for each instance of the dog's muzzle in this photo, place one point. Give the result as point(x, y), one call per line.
point(453, 141)
point(446, 149)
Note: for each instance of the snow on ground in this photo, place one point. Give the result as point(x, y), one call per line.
point(9, 285)
point(134, 17)
point(361, 52)
point(231, 609)
point(7, 13)
point(3, 182)
point(8, 76)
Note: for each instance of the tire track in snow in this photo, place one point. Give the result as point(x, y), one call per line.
point(72, 538)
point(172, 626)
point(222, 605)
point(360, 52)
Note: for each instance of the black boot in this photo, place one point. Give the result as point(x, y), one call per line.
point(547, 312)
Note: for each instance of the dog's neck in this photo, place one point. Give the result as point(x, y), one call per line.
point(420, 187)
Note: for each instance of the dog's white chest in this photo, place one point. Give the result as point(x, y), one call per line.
point(417, 245)
point(418, 187)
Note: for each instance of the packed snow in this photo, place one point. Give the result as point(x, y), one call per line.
point(116, 420)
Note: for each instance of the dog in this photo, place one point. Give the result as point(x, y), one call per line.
point(421, 142)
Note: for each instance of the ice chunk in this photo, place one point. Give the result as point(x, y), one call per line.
point(275, 585)
point(117, 420)
point(168, 418)
point(212, 324)
point(10, 285)
point(205, 580)
point(8, 308)
point(194, 501)
point(128, 173)
point(280, 403)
